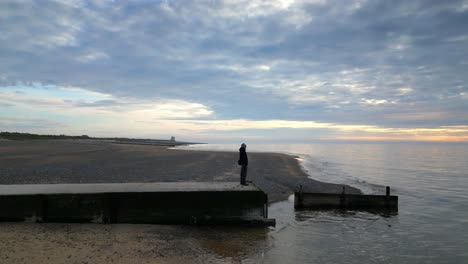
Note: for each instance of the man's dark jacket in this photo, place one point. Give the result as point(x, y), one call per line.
point(243, 160)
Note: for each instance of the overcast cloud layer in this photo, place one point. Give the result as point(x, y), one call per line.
point(234, 70)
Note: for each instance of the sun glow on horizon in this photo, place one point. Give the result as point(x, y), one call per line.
point(53, 107)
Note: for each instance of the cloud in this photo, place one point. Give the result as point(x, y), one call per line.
point(77, 101)
point(243, 68)
point(214, 128)
point(374, 102)
point(3, 104)
point(341, 62)
point(405, 90)
point(458, 38)
point(231, 125)
point(27, 123)
point(43, 25)
point(41, 105)
point(92, 56)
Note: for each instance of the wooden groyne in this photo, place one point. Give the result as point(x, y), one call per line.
point(342, 200)
point(138, 203)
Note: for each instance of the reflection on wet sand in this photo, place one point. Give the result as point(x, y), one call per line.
point(91, 243)
point(236, 244)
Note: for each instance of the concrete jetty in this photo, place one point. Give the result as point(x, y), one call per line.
point(139, 203)
point(304, 200)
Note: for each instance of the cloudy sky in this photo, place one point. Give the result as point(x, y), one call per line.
point(229, 71)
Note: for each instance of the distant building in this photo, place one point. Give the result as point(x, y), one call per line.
point(172, 138)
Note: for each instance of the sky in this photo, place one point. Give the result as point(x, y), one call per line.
point(231, 71)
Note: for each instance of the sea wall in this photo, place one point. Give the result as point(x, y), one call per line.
point(138, 203)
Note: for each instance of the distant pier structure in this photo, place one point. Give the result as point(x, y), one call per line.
point(139, 203)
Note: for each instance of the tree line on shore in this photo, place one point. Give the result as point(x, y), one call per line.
point(29, 136)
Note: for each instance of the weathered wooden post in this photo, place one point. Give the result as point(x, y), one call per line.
point(298, 201)
point(342, 197)
point(107, 210)
point(43, 209)
point(387, 196)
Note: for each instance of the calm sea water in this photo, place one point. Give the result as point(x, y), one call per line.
point(431, 180)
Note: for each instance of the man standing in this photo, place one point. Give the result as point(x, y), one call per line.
point(244, 162)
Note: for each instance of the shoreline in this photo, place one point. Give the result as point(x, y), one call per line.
point(75, 161)
point(309, 184)
point(78, 162)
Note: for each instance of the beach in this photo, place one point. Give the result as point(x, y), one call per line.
point(88, 161)
point(430, 180)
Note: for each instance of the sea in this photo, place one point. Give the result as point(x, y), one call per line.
point(431, 226)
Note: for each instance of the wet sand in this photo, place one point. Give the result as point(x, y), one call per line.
point(102, 244)
point(75, 161)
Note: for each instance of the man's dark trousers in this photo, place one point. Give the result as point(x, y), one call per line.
point(243, 174)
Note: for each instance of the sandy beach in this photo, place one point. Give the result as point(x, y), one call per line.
point(81, 161)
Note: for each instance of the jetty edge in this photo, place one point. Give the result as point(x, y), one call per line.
point(308, 200)
point(195, 203)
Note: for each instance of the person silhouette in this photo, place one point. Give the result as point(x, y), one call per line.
point(244, 162)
